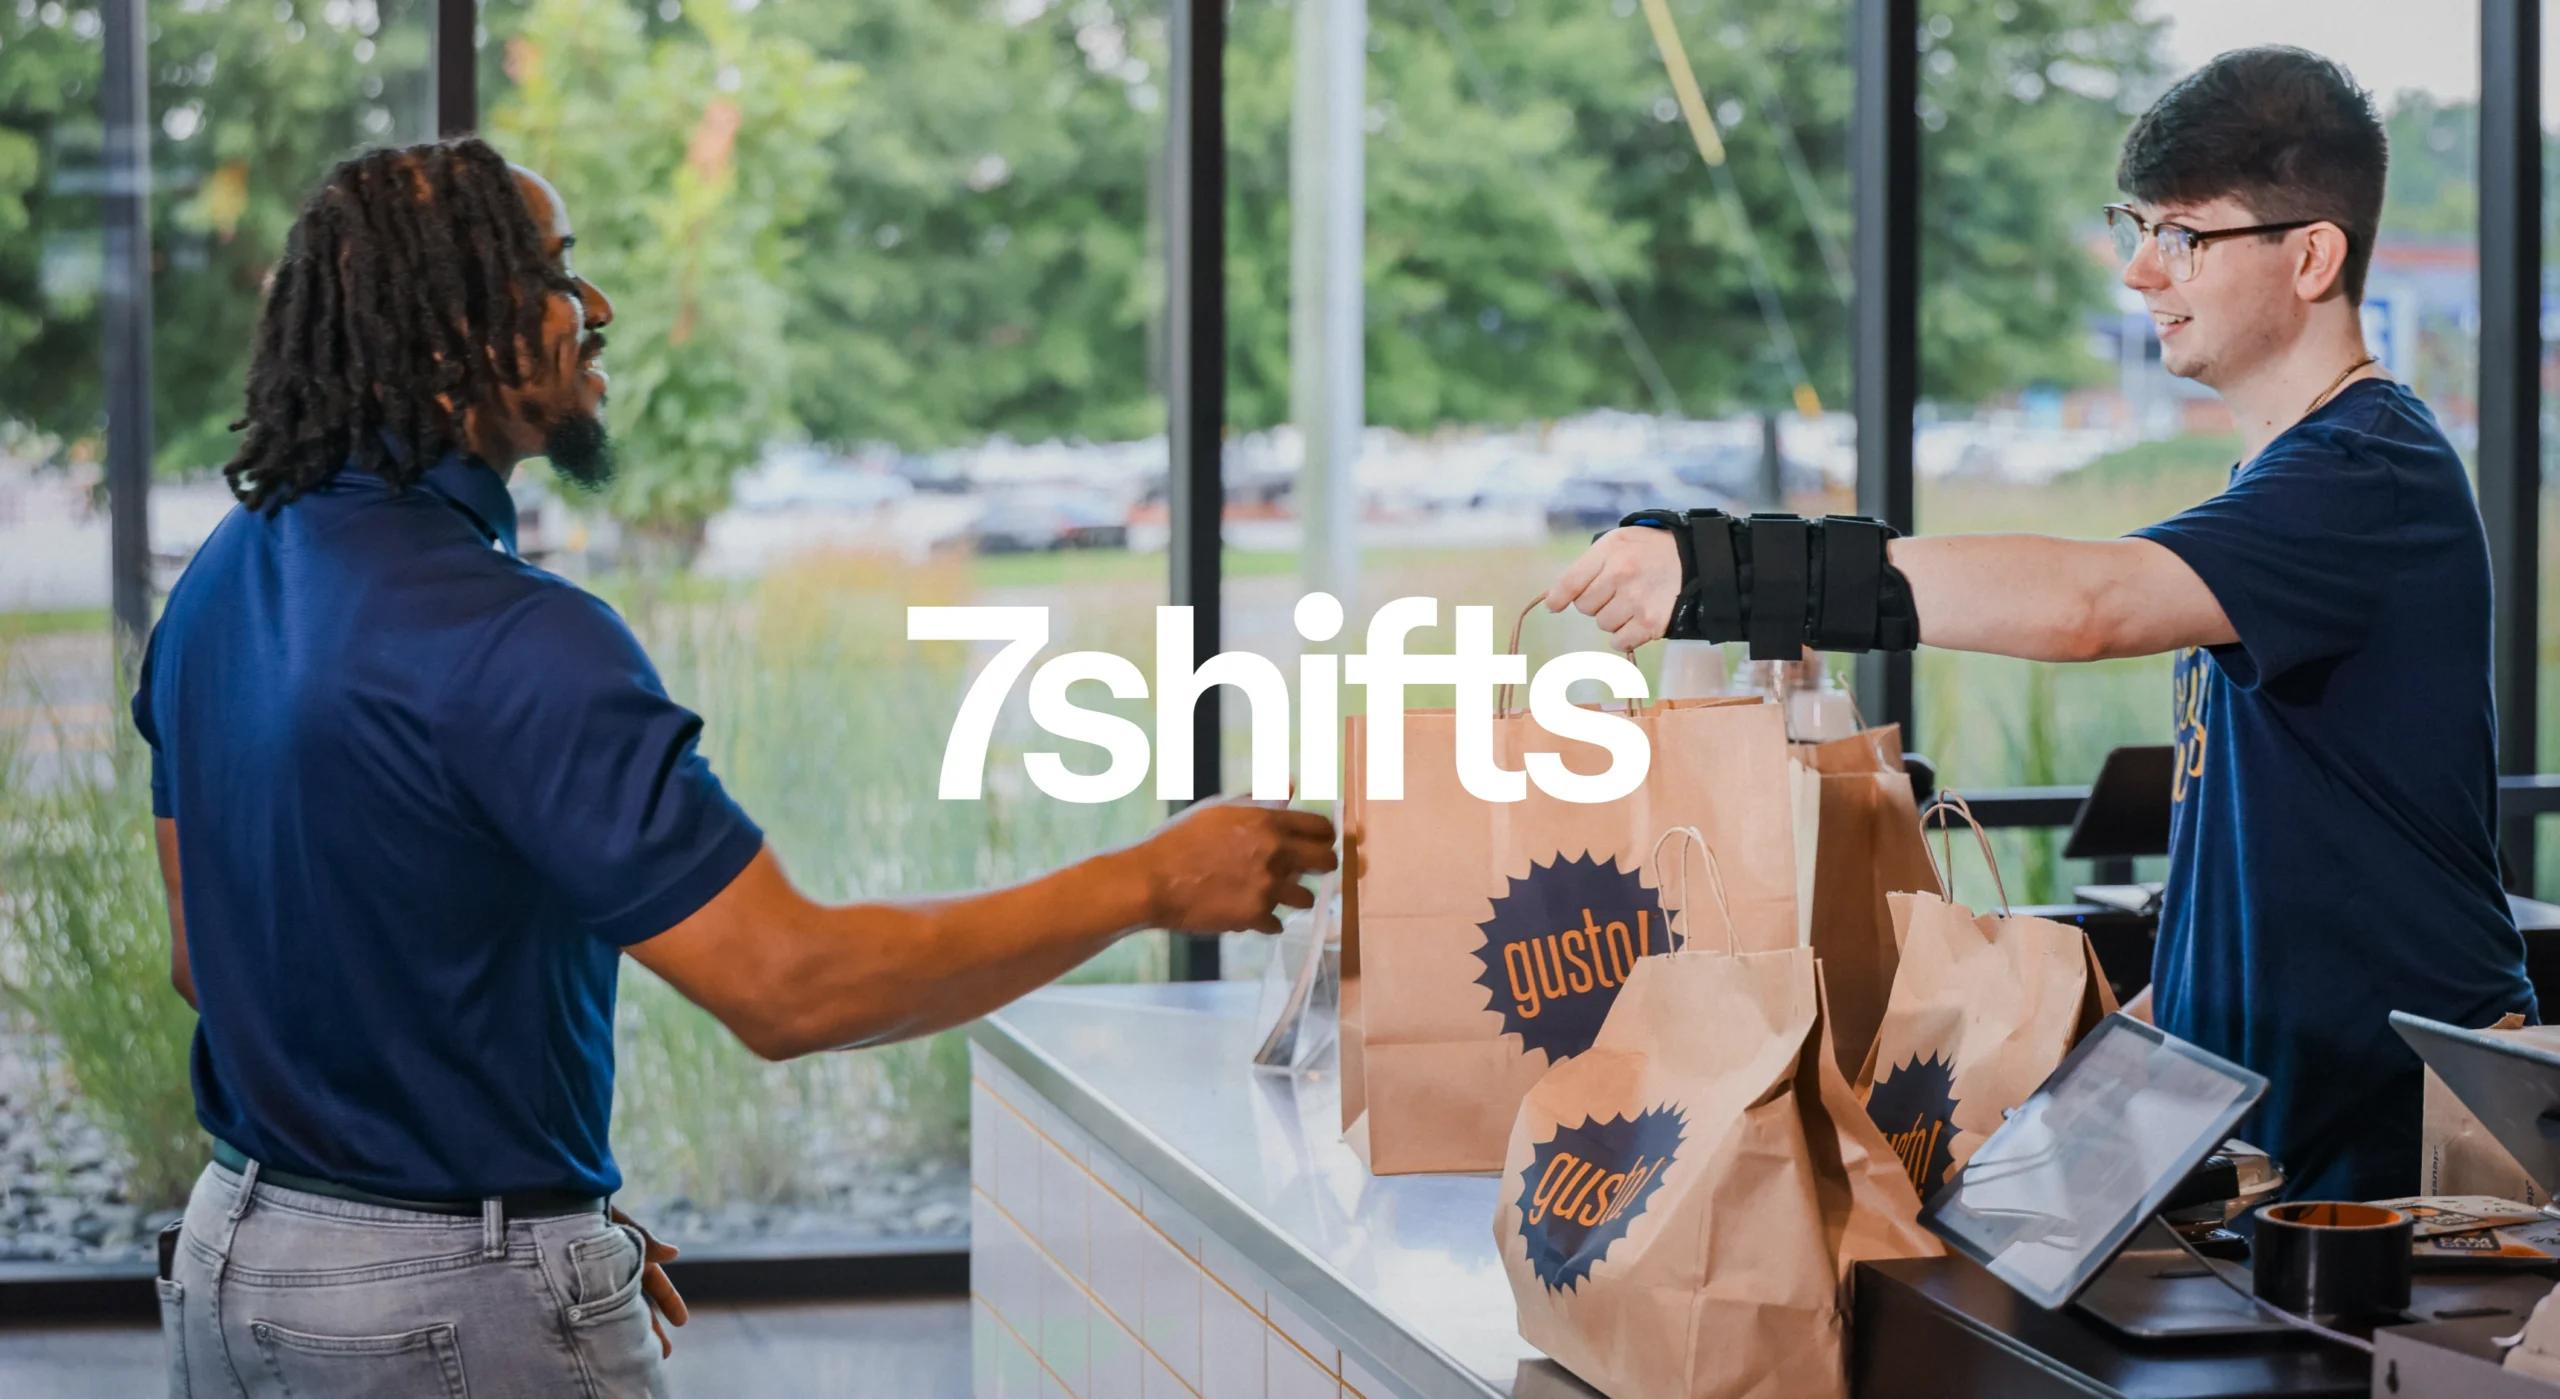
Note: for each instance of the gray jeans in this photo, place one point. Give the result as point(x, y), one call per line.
point(278, 1293)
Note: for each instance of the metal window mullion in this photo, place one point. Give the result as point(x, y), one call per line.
point(2510, 447)
point(1885, 316)
point(1195, 376)
point(457, 67)
point(124, 96)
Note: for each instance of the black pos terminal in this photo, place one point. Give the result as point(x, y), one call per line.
point(2084, 1261)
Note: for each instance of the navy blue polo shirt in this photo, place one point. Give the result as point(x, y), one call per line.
point(2334, 850)
point(425, 794)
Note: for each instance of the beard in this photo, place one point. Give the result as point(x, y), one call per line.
point(580, 450)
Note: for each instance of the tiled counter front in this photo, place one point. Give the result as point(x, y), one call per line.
point(1086, 1281)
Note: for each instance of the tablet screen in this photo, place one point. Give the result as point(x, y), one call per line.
point(2077, 1168)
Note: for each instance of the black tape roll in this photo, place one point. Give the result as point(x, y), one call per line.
point(2333, 1261)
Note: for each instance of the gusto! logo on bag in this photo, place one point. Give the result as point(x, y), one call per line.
point(1587, 1184)
point(1559, 945)
point(1915, 1108)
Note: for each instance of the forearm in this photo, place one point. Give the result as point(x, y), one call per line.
point(790, 976)
point(1785, 584)
point(2024, 595)
point(871, 973)
point(181, 973)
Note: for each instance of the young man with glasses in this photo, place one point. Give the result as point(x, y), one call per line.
point(2334, 854)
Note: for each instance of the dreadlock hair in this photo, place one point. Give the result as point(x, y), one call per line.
point(410, 292)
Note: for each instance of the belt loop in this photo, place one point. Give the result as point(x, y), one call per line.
point(493, 1228)
point(248, 1187)
point(231, 1223)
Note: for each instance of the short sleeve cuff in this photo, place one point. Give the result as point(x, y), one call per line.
point(718, 865)
point(2239, 664)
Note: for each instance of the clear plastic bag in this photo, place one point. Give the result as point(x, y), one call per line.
point(1300, 1005)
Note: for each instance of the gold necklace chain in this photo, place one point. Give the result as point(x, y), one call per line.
point(2334, 384)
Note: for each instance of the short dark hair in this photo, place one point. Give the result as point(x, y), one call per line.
point(412, 286)
point(2285, 133)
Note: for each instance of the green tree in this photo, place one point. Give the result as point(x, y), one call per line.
point(689, 157)
point(966, 241)
point(1528, 168)
point(2434, 188)
point(48, 246)
point(2023, 107)
point(988, 256)
point(250, 104)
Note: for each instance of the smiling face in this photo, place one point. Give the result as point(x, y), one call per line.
point(558, 412)
point(2244, 304)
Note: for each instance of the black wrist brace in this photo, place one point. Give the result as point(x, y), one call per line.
point(1783, 583)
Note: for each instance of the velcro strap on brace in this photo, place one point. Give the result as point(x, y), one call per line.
point(1779, 586)
point(1716, 574)
point(1852, 573)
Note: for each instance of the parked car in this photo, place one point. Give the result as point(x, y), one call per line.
point(1029, 522)
point(799, 478)
point(1597, 500)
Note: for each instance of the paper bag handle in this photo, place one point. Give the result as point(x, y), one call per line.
point(1885, 762)
point(1502, 696)
point(1950, 802)
point(1502, 700)
point(1715, 876)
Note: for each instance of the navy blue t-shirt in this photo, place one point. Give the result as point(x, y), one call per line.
point(2334, 852)
point(425, 794)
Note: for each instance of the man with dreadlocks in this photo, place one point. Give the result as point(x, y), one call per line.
point(417, 796)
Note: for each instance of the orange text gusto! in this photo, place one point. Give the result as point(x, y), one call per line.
point(1559, 945)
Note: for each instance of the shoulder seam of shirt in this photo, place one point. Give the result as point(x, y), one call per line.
point(499, 627)
point(2338, 439)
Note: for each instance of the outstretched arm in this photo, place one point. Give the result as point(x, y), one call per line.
point(2048, 599)
point(2021, 595)
point(790, 976)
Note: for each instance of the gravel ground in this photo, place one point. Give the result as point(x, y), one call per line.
point(61, 1191)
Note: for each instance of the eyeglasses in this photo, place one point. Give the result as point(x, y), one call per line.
point(2181, 247)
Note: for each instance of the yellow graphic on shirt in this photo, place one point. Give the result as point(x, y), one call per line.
point(2189, 721)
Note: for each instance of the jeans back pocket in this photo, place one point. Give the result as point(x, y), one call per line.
point(421, 1364)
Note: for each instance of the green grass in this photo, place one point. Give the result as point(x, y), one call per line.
point(2150, 478)
point(826, 724)
point(84, 953)
point(56, 622)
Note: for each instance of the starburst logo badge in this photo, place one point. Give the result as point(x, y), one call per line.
point(1560, 943)
point(1915, 1108)
point(1587, 1184)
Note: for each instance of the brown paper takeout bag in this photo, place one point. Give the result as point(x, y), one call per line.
point(2457, 1156)
point(1683, 1204)
point(1869, 847)
point(1983, 1009)
point(1484, 942)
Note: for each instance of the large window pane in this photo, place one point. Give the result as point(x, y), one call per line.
point(1561, 308)
point(2045, 406)
point(888, 281)
point(1572, 311)
point(248, 104)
